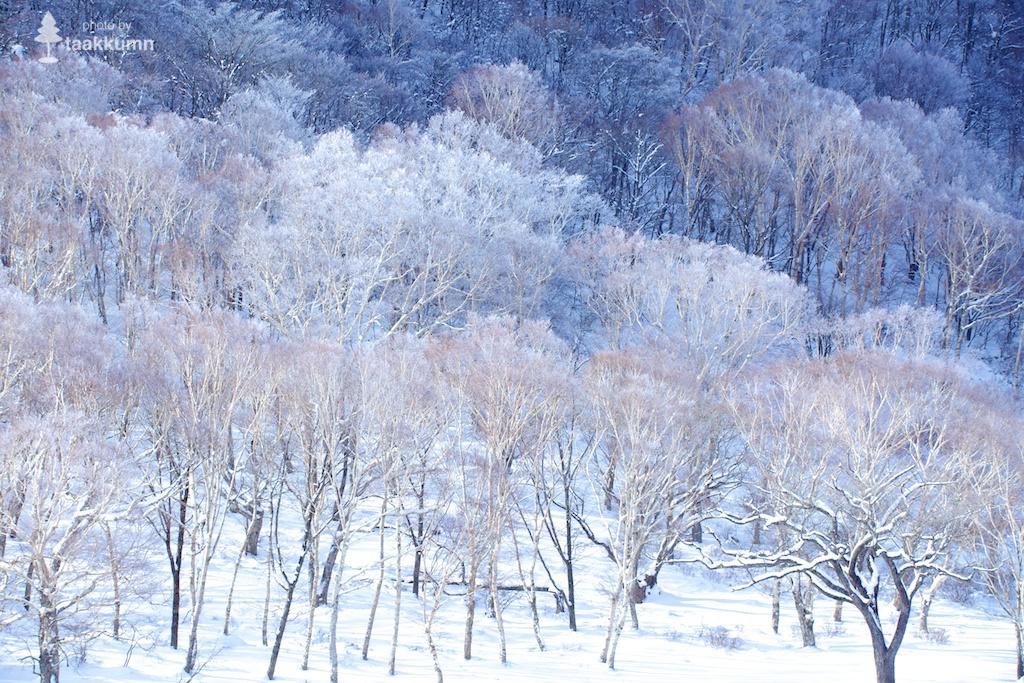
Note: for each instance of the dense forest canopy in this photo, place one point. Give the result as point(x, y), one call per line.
point(870, 150)
point(491, 280)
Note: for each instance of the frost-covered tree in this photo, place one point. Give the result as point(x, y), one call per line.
point(791, 172)
point(998, 526)
point(642, 416)
point(862, 457)
point(500, 376)
point(224, 49)
point(194, 370)
point(414, 233)
point(66, 475)
point(512, 99)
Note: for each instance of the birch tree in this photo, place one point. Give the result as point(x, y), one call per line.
point(998, 526)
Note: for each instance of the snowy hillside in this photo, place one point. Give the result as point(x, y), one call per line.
point(694, 627)
point(500, 340)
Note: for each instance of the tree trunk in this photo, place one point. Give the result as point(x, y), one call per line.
point(314, 563)
point(428, 628)
point(926, 604)
point(417, 562)
point(926, 601)
point(776, 604)
point(377, 590)
point(884, 655)
point(325, 575)
point(534, 615)
point(615, 638)
point(101, 305)
point(570, 598)
point(502, 649)
point(283, 624)
point(609, 486)
point(115, 576)
point(837, 612)
point(192, 652)
point(252, 534)
point(231, 590)
point(569, 560)
point(467, 643)
point(885, 663)
point(398, 591)
point(175, 553)
point(332, 556)
point(613, 616)
point(49, 639)
point(198, 598)
point(333, 645)
point(266, 596)
point(433, 655)
point(26, 596)
point(1019, 628)
point(196, 588)
point(803, 601)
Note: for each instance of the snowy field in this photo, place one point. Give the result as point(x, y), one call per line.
point(679, 637)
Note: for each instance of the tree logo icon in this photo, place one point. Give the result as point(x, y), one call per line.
point(48, 33)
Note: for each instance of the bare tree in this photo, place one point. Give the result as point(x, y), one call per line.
point(232, 48)
point(556, 474)
point(136, 195)
point(443, 561)
point(980, 249)
point(74, 478)
point(66, 476)
point(415, 233)
point(256, 462)
point(513, 99)
point(642, 413)
point(863, 452)
point(317, 445)
point(998, 527)
point(509, 379)
point(719, 39)
point(196, 368)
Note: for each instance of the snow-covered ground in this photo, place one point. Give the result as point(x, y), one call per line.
point(677, 625)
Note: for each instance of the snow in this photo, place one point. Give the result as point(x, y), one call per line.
point(688, 602)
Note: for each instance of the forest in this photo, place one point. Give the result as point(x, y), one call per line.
point(495, 314)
